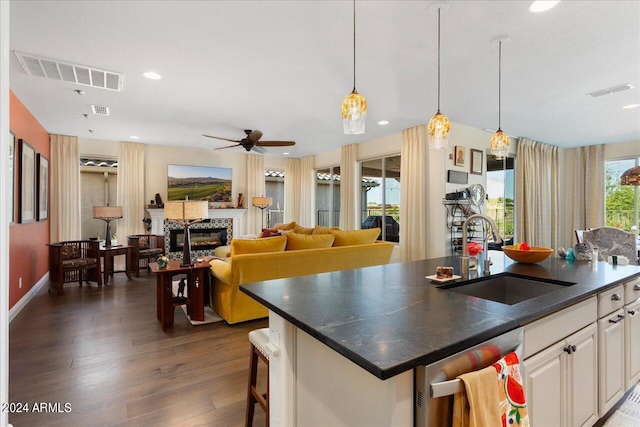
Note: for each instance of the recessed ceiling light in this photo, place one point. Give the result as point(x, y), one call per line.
point(383, 122)
point(134, 137)
point(152, 75)
point(285, 154)
point(630, 106)
point(542, 5)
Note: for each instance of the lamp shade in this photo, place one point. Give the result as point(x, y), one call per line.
point(631, 176)
point(499, 144)
point(185, 210)
point(107, 212)
point(354, 113)
point(438, 131)
point(262, 202)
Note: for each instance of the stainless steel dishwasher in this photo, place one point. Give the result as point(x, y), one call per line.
point(436, 384)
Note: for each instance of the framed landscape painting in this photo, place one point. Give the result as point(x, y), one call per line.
point(43, 187)
point(27, 182)
point(199, 183)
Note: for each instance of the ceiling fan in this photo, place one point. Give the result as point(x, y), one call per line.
point(252, 142)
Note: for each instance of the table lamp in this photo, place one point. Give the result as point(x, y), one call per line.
point(262, 203)
point(185, 213)
point(107, 214)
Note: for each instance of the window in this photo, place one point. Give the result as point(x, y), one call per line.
point(501, 195)
point(328, 197)
point(381, 196)
point(98, 187)
point(274, 188)
point(622, 204)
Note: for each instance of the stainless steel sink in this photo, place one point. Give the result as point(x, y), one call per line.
point(506, 288)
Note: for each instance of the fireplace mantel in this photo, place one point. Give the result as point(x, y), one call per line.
point(157, 219)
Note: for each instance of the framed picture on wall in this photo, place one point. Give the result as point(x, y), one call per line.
point(476, 162)
point(43, 187)
point(12, 180)
point(26, 179)
point(458, 158)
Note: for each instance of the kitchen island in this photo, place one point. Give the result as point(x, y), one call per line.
point(348, 341)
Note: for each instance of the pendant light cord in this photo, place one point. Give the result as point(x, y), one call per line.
point(499, 83)
point(438, 60)
point(354, 45)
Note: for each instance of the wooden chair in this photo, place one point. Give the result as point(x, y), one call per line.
point(71, 261)
point(259, 339)
point(145, 247)
point(612, 241)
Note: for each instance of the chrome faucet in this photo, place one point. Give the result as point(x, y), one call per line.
point(464, 260)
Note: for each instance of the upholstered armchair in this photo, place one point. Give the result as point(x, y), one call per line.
point(612, 241)
point(144, 248)
point(71, 261)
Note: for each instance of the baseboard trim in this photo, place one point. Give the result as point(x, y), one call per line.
point(17, 308)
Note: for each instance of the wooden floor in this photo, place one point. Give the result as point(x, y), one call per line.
point(102, 352)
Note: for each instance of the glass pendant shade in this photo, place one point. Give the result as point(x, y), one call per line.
point(631, 176)
point(438, 131)
point(499, 144)
point(354, 113)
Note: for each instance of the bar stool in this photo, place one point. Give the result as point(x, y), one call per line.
point(259, 339)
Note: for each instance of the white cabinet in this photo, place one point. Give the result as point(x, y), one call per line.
point(560, 367)
point(632, 333)
point(611, 348)
point(561, 381)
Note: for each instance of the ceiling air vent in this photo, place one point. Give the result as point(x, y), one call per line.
point(610, 90)
point(99, 110)
point(79, 74)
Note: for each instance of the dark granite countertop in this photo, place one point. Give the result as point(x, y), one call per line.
point(390, 318)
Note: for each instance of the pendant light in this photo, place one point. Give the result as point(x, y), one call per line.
point(438, 128)
point(499, 144)
point(631, 176)
point(354, 105)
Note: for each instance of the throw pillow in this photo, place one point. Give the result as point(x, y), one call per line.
point(296, 241)
point(287, 226)
point(269, 232)
point(302, 230)
point(323, 230)
point(269, 244)
point(355, 237)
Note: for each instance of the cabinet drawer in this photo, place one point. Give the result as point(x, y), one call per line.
point(631, 291)
point(551, 329)
point(610, 300)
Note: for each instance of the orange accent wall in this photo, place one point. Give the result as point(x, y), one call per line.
point(28, 253)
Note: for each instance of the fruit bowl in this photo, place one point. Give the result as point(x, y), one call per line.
point(533, 255)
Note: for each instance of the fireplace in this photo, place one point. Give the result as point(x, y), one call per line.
point(202, 239)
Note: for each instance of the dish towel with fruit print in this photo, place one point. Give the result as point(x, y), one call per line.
point(513, 406)
point(477, 405)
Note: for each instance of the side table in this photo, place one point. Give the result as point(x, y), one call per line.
point(164, 290)
point(108, 252)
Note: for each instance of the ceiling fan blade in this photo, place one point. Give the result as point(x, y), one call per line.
point(224, 139)
point(228, 146)
point(258, 149)
point(275, 143)
point(254, 136)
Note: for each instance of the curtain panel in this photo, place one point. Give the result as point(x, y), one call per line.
point(349, 190)
point(255, 188)
point(588, 187)
point(292, 189)
point(130, 190)
point(307, 214)
point(65, 188)
point(537, 193)
point(414, 194)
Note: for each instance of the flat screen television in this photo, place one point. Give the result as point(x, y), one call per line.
point(208, 183)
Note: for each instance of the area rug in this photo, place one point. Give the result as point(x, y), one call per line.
point(210, 316)
point(628, 414)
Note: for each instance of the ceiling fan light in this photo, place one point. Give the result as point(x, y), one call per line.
point(438, 131)
point(631, 176)
point(499, 144)
point(354, 113)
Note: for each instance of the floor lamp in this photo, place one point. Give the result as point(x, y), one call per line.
point(186, 213)
point(262, 203)
point(107, 214)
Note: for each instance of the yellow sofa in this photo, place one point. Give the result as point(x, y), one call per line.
point(227, 276)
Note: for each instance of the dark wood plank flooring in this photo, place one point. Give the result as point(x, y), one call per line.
point(102, 352)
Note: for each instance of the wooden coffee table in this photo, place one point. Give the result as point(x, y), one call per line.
point(164, 292)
